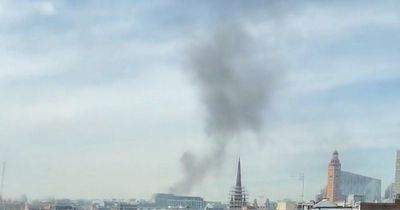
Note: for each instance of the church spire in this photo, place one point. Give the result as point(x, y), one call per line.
point(238, 194)
point(239, 176)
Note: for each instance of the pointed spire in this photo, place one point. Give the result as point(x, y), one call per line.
point(239, 176)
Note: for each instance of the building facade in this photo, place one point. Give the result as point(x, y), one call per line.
point(333, 192)
point(357, 184)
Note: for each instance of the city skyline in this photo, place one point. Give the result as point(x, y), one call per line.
point(98, 101)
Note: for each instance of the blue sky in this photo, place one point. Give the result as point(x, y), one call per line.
point(96, 102)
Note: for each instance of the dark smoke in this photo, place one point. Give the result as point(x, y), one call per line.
point(235, 86)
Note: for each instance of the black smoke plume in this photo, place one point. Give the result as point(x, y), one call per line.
point(235, 85)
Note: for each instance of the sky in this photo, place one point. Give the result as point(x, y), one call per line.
point(96, 101)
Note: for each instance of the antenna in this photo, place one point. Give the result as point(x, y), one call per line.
point(2, 180)
point(301, 177)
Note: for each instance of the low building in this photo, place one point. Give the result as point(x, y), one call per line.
point(114, 205)
point(215, 206)
point(164, 200)
point(355, 199)
point(286, 205)
point(11, 205)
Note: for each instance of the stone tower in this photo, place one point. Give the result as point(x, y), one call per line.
point(334, 169)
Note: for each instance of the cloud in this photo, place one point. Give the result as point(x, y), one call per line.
point(45, 8)
point(13, 12)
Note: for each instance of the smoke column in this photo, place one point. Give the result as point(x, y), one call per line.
point(235, 86)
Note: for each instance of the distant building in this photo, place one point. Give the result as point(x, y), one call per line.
point(390, 192)
point(64, 207)
point(342, 183)
point(214, 206)
point(380, 206)
point(267, 204)
point(356, 184)
point(163, 200)
point(286, 205)
point(124, 206)
point(262, 205)
point(397, 175)
point(38, 206)
point(114, 205)
point(333, 192)
point(325, 204)
point(11, 205)
point(238, 196)
point(354, 199)
point(54, 205)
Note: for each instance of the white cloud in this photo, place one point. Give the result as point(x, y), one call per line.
point(12, 12)
point(45, 8)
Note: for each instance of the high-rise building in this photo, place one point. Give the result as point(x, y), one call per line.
point(334, 169)
point(397, 176)
point(238, 194)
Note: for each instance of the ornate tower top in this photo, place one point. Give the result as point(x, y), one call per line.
point(335, 159)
